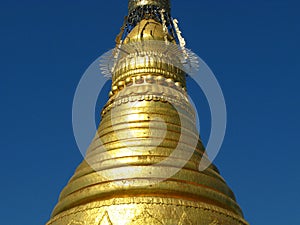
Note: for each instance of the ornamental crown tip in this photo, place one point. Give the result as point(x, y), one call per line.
point(164, 4)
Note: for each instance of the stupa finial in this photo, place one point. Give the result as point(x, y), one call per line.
point(163, 4)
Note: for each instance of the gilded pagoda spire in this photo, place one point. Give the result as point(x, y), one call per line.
point(163, 4)
point(143, 165)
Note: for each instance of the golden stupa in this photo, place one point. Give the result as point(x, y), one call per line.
point(142, 166)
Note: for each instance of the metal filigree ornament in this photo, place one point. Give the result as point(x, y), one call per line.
point(147, 52)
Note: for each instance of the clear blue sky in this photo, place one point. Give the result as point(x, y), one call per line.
point(252, 46)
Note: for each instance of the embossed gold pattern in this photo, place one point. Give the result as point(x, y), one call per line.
point(124, 177)
point(164, 4)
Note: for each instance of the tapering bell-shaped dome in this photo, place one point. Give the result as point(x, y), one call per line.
point(142, 166)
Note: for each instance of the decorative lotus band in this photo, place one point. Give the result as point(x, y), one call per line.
point(163, 4)
point(148, 57)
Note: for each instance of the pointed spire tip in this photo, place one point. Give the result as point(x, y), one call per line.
point(164, 4)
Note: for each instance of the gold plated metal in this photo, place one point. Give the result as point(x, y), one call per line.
point(125, 177)
point(163, 4)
